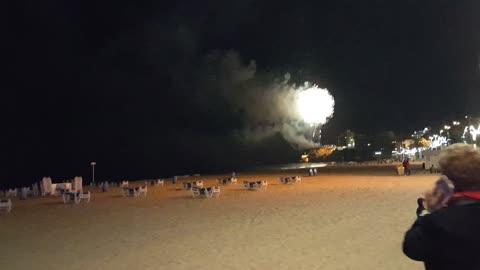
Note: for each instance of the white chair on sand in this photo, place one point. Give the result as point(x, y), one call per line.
point(198, 184)
point(7, 204)
point(125, 191)
point(77, 197)
point(263, 184)
point(142, 191)
point(12, 192)
point(227, 181)
point(215, 191)
point(195, 192)
point(187, 185)
point(259, 185)
point(85, 196)
point(290, 180)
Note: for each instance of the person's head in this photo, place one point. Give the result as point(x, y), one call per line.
point(461, 164)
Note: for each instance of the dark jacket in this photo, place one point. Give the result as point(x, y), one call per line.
point(448, 238)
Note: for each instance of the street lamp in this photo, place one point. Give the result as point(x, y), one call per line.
point(93, 163)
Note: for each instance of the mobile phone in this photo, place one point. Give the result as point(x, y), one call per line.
point(445, 185)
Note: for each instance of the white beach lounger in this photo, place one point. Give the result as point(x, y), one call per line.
point(7, 204)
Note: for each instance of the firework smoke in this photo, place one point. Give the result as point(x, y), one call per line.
point(264, 104)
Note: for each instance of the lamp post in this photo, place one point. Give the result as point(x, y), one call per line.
point(93, 163)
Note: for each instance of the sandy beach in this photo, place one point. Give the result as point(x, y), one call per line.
point(344, 219)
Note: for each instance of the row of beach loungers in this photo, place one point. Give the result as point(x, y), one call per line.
point(122, 184)
point(73, 192)
point(197, 188)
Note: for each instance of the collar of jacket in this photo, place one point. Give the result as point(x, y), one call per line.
point(464, 197)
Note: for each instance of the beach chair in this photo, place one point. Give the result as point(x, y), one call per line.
point(70, 197)
point(187, 185)
point(208, 192)
point(12, 192)
point(76, 196)
point(142, 191)
point(215, 191)
point(258, 185)
point(158, 182)
point(7, 204)
point(198, 184)
point(125, 191)
point(84, 196)
point(195, 192)
point(263, 185)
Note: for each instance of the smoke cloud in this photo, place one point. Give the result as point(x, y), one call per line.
point(264, 104)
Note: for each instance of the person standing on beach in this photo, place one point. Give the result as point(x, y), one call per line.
point(406, 166)
point(446, 236)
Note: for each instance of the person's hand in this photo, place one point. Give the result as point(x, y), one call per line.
point(436, 199)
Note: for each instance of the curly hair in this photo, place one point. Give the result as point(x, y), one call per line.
point(461, 164)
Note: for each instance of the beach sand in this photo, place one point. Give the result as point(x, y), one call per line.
point(337, 220)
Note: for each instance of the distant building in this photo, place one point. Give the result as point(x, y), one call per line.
point(346, 139)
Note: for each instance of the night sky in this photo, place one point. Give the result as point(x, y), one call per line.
point(149, 89)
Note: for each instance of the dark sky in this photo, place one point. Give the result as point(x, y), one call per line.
point(141, 87)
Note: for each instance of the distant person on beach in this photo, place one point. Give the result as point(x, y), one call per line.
point(406, 167)
point(447, 232)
